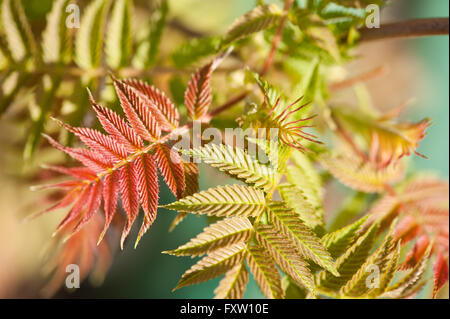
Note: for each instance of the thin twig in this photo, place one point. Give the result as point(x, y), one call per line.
point(276, 38)
point(364, 77)
point(406, 29)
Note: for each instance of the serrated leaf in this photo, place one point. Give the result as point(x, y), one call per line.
point(306, 177)
point(233, 285)
point(260, 18)
point(349, 263)
point(388, 274)
point(264, 271)
point(148, 187)
point(118, 37)
point(191, 173)
point(237, 163)
point(296, 200)
point(213, 265)
point(362, 176)
point(291, 225)
point(162, 108)
point(235, 200)
point(282, 250)
point(56, 40)
point(440, 273)
point(224, 233)
point(409, 283)
point(171, 168)
point(357, 285)
point(89, 38)
point(338, 241)
point(386, 140)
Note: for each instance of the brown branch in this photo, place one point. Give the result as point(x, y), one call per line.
point(406, 29)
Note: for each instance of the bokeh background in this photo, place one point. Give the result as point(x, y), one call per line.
point(418, 69)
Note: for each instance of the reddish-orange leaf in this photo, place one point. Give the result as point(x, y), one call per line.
point(105, 145)
point(148, 187)
point(160, 105)
point(117, 127)
point(67, 200)
point(110, 198)
point(190, 178)
point(416, 253)
point(93, 204)
point(440, 270)
point(80, 249)
point(139, 115)
point(87, 157)
point(77, 172)
point(198, 93)
point(171, 168)
point(77, 208)
point(130, 196)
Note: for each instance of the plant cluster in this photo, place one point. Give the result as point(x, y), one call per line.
point(271, 222)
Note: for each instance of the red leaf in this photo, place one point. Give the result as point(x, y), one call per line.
point(190, 178)
point(130, 196)
point(148, 190)
point(77, 172)
point(117, 127)
point(93, 204)
point(138, 114)
point(110, 198)
point(87, 157)
point(171, 168)
point(198, 93)
point(440, 270)
point(416, 253)
point(98, 142)
point(160, 105)
point(77, 209)
point(67, 200)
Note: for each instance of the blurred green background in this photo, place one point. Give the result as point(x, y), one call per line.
point(146, 273)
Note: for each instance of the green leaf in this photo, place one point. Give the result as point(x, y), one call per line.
point(357, 285)
point(118, 37)
point(233, 285)
point(37, 126)
point(338, 241)
point(213, 265)
point(224, 233)
point(412, 282)
point(260, 18)
point(56, 40)
point(291, 225)
point(349, 263)
point(362, 176)
point(17, 30)
point(237, 163)
point(295, 199)
point(235, 200)
point(264, 271)
point(194, 50)
point(147, 50)
point(282, 250)
point(89, 39)
point(306, 177)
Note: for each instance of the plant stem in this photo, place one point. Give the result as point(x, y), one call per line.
point(276, 38)
point(406, 29)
